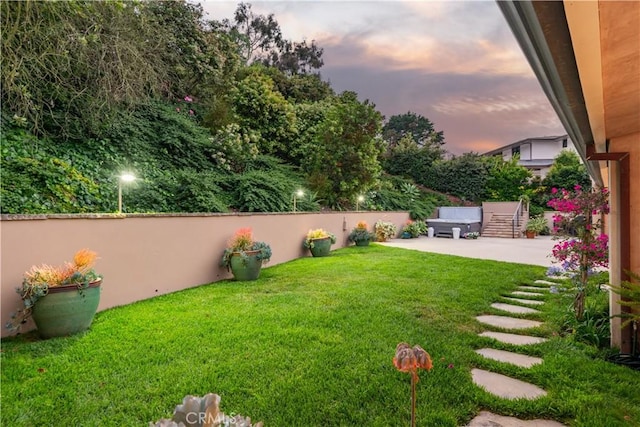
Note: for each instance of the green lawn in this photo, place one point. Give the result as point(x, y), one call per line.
point(311, 344)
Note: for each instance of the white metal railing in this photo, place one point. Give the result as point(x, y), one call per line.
point(515, 220)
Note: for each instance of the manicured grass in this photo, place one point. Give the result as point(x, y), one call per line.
point(310, 344)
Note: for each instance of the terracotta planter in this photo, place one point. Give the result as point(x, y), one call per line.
point(66, 310)
point(530, 234)
point(245, 268)
point(321, 247)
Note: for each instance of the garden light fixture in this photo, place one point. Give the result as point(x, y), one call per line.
point(296, 195)
point(124, 177)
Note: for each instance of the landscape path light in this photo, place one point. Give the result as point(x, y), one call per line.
point(296, 195)
point(124, 177)
point(359, 200)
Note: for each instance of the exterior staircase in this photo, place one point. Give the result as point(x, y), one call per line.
point(500, 226)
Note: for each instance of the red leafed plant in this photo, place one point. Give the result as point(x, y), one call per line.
point(409, 359)
point(242, 240)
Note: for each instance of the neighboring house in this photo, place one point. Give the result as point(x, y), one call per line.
point(586, 56)
point(536, 154)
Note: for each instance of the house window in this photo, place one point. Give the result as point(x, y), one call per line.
point(564, 143)
point(515, 151)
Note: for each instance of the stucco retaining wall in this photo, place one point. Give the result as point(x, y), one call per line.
point(142, 256)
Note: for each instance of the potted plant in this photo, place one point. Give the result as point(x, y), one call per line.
point(319, 242)
point(360, 235)
point(385, 230)
point(413, 229)
point(535, 226)
point(244, 256)
point(62, 300)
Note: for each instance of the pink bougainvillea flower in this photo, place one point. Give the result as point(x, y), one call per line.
point(188, 99)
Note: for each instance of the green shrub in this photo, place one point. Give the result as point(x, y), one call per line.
point(415, 228)
point(593, 328)
point(34, 182)
point(262, 191)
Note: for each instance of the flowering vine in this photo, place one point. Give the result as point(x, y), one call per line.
point(583, 247)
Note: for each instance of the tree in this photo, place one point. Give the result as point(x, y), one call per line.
point(259, 39)
point(300, 88)
point(263, 113)
point(80, 61)
point(463, 176)
point(344, 162)
point(295, 58)
point(507, 180)
point(567, 171)
point(254, 34)
point(407, 158)
point(309, 118)
point(583, 247)
point(419, 127)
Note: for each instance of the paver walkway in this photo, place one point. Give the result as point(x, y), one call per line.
point(506, 387)
point(527, 294)
point(506, 322)
point(510, 308)
point(502, 385)
point(509, 357)
point(513, 338)
point(533, 288)
point(487, 419)
point(524, 301)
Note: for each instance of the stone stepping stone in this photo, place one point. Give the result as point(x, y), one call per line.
point(506, 322)
point(533, 288)
point(509, 357)
point(527, 294)
point(513, 338)
point(505, 387)
point(514, 308)
point(545, 282)
point(489, 419)
point(525, 301)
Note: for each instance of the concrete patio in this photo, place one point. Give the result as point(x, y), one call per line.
point(523, 251)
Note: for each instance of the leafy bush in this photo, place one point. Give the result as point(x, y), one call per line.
point(262, 191)
point(385, 230)
point(415, 228)
point(397, 194)
point(593, 328)
point(33, 181)
point(464, 176)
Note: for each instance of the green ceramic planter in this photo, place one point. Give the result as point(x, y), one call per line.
point(66, 310)
point(362, 242)
point(245, 268)
point(321, 247)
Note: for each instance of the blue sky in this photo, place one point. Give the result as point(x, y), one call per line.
point(454, 62)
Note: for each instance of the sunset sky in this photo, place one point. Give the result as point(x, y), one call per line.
point(454, 62)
